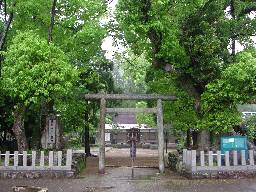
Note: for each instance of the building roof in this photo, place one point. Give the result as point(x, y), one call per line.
point(126, 126)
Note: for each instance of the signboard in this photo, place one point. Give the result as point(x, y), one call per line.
point(107, 136)
point(52, 131)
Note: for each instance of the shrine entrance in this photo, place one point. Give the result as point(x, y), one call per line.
point(158, 110)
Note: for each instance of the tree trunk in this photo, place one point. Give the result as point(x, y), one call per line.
point(6, 28)
point(87, 133)
point(18, 127)
point(233, 40)
point(53, 13)
point(188, 139)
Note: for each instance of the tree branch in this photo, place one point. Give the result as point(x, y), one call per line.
point(6, 28)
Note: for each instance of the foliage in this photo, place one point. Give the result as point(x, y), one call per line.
point(34, 70)
point(250, 127)
point(189, 50)
point(221, 97)
point(145, 118)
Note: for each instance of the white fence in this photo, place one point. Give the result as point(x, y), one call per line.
point(196, 161)
point(36, 161)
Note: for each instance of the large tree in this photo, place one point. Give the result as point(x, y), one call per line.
point(34, 70)
point(189, 42)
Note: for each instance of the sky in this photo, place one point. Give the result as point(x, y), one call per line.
point(107, 44)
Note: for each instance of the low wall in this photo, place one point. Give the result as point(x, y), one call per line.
point(232, 164)
point(38, 165)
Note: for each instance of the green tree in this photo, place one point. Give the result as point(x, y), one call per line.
point(34, 70)
point(189, 40)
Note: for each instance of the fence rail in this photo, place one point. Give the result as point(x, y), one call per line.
point(209, 161)
point(25, 161)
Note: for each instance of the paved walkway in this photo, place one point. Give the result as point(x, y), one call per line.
point(118, 179)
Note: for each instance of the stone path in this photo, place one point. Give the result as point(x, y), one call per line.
point(118, 179)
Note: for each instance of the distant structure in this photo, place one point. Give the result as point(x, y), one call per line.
point(116, 133)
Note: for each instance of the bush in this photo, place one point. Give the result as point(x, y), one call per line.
point(173, 158)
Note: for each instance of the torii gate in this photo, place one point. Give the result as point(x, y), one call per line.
point(157, 110)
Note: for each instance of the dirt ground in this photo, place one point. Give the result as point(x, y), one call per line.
point(118, 178)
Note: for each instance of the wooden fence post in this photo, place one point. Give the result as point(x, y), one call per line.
point(42, 159)
point(210, 158)
point(59, 158)
point(193, 158)
point(25, 158)
point(202, 162)
point(50, 158)
point(7, 158)
point(227, 159)
point(33, 158)
point(243, 157)
point(69, 158)
point(235, 161)
point(219, 158)
point(251, 156)
point(16, 158)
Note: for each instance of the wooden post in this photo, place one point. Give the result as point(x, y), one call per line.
point(50, 158)
point(227, 164)
point(160, 135)
point(202, 162)
point(210, 159)
point(251, 156)
point(7, 158)
point(69, 158)
point(243, 157)
point(16, 158)
point(33, 158)
point(193, 158)
point(59, 158)
point(235, 161)
point(102, 136)
point(25, 154)
point(219, 158)
point(42, 159)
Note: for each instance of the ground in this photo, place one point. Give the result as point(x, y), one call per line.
point(118, 178)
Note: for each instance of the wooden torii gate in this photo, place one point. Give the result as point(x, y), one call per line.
point(157, 110)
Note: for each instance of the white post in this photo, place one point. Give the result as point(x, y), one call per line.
point(33, 158)
point(69, 158)
point(193, 158)
point(219, 158)
point(227, 158)
point(16, 158)
point(42, 159)
point(243, 157)
point(25, 154)
point(202, 158)
point(50, 158)
point(59, 158)
point(189, 158)
point(184, 156)
point(235, 158)
point(160, 135)
point(7, 158)
point(251, 155)
point(210, 157)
